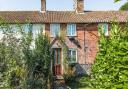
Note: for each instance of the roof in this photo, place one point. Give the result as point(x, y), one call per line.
point(63, 16)
point(21, 16)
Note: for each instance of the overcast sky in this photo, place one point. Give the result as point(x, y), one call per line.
point(58, 5)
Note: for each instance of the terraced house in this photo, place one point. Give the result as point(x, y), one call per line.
point(79, 28)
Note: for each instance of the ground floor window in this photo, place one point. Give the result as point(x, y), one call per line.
point(72, 53)
point(103, 27)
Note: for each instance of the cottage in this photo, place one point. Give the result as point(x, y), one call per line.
point(78, 28)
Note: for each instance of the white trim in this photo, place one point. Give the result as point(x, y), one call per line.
point(107, 33)
point(51, 35)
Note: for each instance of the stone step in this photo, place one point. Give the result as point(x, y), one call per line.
point(59, 84)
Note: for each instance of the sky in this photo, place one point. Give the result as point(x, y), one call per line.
point(30, 5)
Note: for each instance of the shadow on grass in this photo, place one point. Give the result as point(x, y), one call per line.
point(78, 83)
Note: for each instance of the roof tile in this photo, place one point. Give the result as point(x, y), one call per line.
point(63, 16)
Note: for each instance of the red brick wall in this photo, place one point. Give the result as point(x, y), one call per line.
point(88, 41)
point(47, 29)
point(87, 37)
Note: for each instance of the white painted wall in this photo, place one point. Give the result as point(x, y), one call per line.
point(36, 29)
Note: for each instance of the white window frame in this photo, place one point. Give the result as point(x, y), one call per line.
point(70, 24)
point(37, 29)
point(105, 33)
point(51, 34)
point(73, 49)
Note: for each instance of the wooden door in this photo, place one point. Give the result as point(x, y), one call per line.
point(57, 61)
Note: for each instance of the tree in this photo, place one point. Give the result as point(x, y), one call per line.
point(23, 67)
point(13, 71)
point(117, 0)
point(39, 63)
point(124, 7)
point(110, 70)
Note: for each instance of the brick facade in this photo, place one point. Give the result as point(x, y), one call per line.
point(88, 38)
point(86, 41)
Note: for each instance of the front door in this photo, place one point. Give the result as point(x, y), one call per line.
point(57, 61)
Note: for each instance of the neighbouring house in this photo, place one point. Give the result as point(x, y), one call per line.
point(79, 28)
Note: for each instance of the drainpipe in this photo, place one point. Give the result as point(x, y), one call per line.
point(85, 48)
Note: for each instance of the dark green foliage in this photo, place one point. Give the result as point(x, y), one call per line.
point(117, 0)
point(12, 67)
point(21, 66)
point(39, 64)
point(70, 78)
point(110, 70)
point(74, 82)
point(124, 7)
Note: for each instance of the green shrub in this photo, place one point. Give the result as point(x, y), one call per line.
point(110, 70)
point(23, 67)
point(69, 78)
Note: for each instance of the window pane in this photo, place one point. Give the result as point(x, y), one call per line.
point(69, 54)
point(54, 29)
point(71, 29)
point(26, 27)
point(68, 30)
point(72, 55)
point(36, 29)
point(106, 29)
point(103, 28)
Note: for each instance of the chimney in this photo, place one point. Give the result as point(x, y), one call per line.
point(79, 6)
point(43, 6)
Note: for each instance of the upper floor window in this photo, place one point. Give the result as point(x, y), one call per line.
point(54, 30)
point(72, 53)
point(71, 29)
point(37, 28)
point(103, 28)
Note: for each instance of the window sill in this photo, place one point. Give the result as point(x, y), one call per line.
point(72, 36)
point(54, 36)
point(104, 35)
